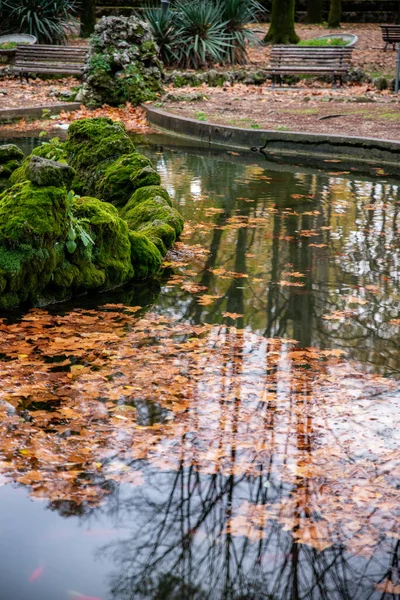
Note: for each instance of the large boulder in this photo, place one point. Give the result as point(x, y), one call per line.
point(52, 150)
point(55, 244)
point(92, 146)
point(122, 64)
point(106, 162)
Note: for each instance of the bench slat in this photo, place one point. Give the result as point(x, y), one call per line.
point(310, 60)
point(43, 58)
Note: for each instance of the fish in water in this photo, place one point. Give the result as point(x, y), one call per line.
point(80, 596)
point(36, 574)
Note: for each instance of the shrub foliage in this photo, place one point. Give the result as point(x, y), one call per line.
point(195, 35)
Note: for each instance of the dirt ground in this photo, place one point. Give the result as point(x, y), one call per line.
point(354, 110)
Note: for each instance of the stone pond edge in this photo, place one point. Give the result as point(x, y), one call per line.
point(353, 148)
point(8, 115)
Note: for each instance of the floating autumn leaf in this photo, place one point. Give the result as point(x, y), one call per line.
point(285, 283)
point(207, 299)
point(355, 300)
point(388, 587)
point(292, 274)
point(338, 315)
point(232, 315)
point(316, 535)
point(193, 288)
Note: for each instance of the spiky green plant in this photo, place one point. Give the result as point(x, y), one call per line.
point(163, 26)
point(237, 14)
point(201, 33)
point(48, 20)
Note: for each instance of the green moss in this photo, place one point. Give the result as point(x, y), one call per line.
point(144, 177)
point(19, 175)
point(155, 209)
point(10, 152)
point(146, 258)
point(65, 275)
point(111, 250)
point(161, 234)
point(32, 214)
point(53, 150)
point(115, 185)
point(92, 145)
point(10, 159)
point(7, 169)
point(145, 193)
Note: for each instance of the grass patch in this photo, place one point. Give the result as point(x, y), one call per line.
point(200, 115)
point(392, 116)
point(300, 111)
point(282, 128)
point(334, 41)
point(245, 122)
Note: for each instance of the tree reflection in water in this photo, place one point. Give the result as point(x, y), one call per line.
point(268, 484)
point(181, 544)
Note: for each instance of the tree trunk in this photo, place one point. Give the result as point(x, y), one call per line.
point(281, 29)
point(398, 16)
point(314, 11)
point(335, 13)
point(88, 17)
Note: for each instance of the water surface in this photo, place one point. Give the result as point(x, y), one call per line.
point(250, 448)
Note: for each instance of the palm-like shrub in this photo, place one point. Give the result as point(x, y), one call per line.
point(48, 20)
point(162, 25)
point(237, 14)
point(198, 33)
point(201, 33)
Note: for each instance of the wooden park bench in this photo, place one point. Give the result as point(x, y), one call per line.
point(310, 60)
point(43, 59)
point(390, 35)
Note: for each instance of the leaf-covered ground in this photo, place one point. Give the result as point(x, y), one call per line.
point(314, 107)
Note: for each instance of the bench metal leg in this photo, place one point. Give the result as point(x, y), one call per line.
point(273, 82)
point(334, 82)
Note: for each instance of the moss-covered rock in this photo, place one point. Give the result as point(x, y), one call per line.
point(10, 159)
point(111, 251)
point(33, 215)
point(161, 234)
point(122, 63)
point(45, 172)
point(154, 209)
point(92, 146)
point(10, 152)
point(52, 150)
point(33, 226)
point(117, 183)
point(145, 193)
point(54, 244)
point(145, 257)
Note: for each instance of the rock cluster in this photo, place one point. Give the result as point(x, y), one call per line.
point(55, 244)
point(122, 64)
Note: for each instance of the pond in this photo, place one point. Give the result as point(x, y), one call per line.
point(230, 431)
